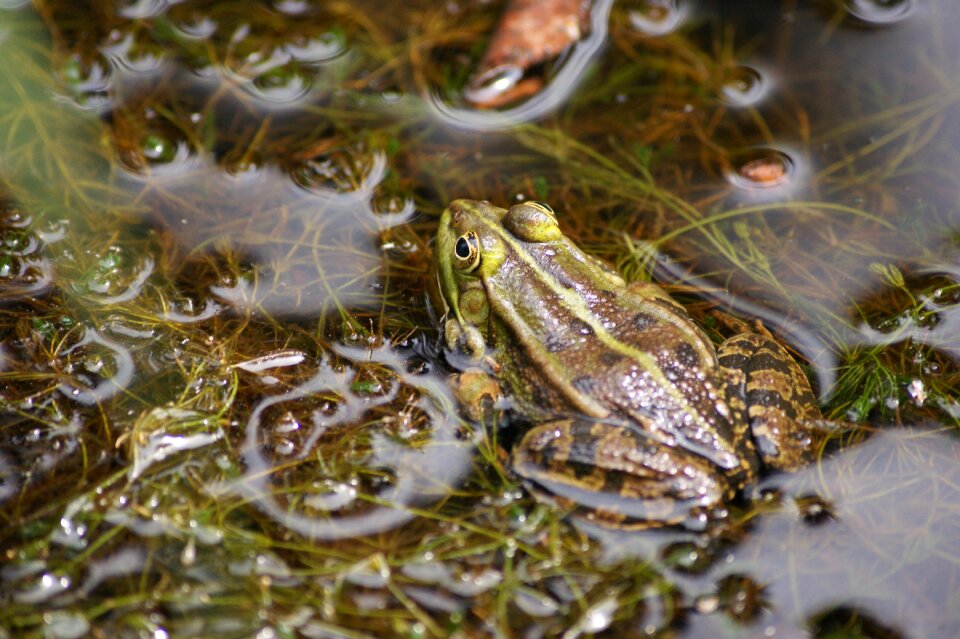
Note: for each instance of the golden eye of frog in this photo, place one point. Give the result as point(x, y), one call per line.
point(639, 419)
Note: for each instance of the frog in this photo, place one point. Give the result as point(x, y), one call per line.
point(637, 419)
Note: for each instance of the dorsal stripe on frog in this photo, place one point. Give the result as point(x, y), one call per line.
point(553, 369)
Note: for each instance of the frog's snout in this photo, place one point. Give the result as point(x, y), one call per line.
point(457, 209)
point(458, 206)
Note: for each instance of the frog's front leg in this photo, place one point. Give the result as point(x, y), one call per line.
point(616, 475)
point(784, 417)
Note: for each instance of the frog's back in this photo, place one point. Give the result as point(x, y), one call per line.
point(628, 354)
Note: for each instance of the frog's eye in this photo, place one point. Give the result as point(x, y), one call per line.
point(532, 222)
point(466, 252)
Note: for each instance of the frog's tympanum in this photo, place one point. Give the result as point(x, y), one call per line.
point(638, 418)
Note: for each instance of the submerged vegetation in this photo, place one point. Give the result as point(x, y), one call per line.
point(223, 404)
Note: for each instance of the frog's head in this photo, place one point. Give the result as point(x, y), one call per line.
point(473, 242)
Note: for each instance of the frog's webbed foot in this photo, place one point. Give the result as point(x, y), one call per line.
point(616, 475)
point(476, 391)
point(785, 420)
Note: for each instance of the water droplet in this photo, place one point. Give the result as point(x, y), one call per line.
point(880, 12)
point(320, 49)
point(657, 17)
point(87, 81)
point(158, 149)
point(707, 604)
point(139, 56)
point(741, 597)
point(142, 9)
point(341, 171)
point(291, 7)
point(687, 557)
point(599, 616)
point(282, 85)
point(815, 510)
point(199, 27)
point(744, 87)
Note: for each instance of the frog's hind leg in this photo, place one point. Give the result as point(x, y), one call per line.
point(785, 420)
point(616, 475)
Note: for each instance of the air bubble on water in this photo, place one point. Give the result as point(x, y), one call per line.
point(881, 12)
point(284, 85)
point(489, 86)
point(200, 27)
point(142, 9)
point(316, 50)
point(745, 86)
point(764, 169)
point(658, 17)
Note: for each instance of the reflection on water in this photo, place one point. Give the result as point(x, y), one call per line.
point(308, 249)
point(746, 86)
point(412, 460)
point(884, 548)
point(881, 12)
point(659, 17)
point(890, 497)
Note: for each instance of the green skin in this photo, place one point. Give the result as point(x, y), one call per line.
point(639, 419)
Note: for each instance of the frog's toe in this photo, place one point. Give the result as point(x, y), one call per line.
point(783, 443)
point(476, 391)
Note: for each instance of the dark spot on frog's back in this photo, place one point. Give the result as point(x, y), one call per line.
point(686, 355)
point(556, 344)
point(768, 361)
point(611, 358)
point(586, 384)
point(643, 321)
point(581, 328)
point(771, 398)
point(613, 482)
point(750, 361)
point(581, 450)
point(605, 294)
point(563, 278)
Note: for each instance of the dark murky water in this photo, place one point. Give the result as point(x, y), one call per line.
point(224, 407)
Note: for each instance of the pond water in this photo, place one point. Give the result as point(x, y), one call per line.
point(224, 405)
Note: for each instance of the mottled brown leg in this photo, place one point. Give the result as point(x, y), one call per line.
point(785, 420)
point(616, 475)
